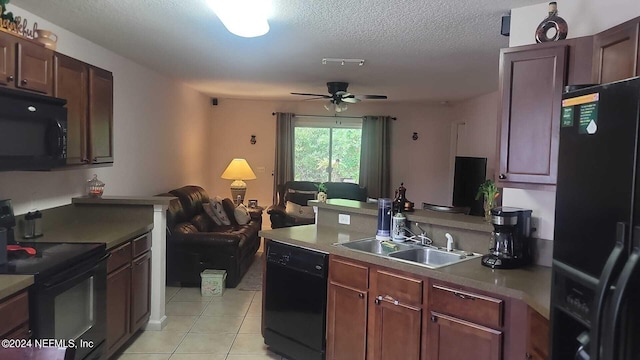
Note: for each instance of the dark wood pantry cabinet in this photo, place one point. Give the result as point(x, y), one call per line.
point(89, 94)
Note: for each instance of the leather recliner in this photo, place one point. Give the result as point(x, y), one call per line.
point(295, 192)
point(196, 243)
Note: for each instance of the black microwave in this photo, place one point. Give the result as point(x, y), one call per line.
point(33, 131)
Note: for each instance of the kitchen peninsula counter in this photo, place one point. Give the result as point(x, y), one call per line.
point(11, 284)
point(531, 284)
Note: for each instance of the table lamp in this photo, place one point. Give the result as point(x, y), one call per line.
point(238, 171)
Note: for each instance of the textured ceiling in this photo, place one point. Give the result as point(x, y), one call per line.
point(415, 50)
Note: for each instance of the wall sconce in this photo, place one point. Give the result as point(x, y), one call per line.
point(415, 136)
point(253, 140)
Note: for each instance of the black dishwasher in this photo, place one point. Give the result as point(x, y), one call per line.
point(295, 301)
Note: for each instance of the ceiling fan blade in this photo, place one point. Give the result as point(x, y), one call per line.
point(315, 98)
point(380, 97)
point(351, 100)
point(342, 93)
point(306, 94)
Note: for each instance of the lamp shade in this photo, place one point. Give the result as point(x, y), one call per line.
point(238, 169)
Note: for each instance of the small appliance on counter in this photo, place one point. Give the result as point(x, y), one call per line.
point(32, 225)
point(510, 244)
point(384, 219)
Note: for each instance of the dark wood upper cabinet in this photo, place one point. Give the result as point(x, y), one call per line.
point(615, 53)
point(101, 115)
point(89, 94)
point(35, 67)
point(71, 81)
point(25, 65)
point(7, 60)
point(531, 84)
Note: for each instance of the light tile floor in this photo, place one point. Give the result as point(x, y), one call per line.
point(211, 328)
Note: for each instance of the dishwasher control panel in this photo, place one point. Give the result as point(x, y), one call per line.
point(300, 259)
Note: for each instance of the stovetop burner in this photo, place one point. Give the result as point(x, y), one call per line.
point(50, 257)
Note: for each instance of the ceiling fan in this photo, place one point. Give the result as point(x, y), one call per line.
point(339, 97)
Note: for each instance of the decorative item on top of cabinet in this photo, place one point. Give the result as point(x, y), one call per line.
point(531, 83)
point(553, 27)
point(25, 65)
point(615, 53)
point(89, 94)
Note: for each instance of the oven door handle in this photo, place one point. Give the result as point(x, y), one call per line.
point(61, 280)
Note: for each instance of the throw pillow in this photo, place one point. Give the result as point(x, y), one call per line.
point(242, 214)
point(295, 210)
point(216, 212)
point(301, 197)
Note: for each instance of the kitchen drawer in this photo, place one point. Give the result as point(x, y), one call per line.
point(119, 256)
point(349, 274)
point(14, 311)
point(468, 306)
point(404, 289)
point(141, 244)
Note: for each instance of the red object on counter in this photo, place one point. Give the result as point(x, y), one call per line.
point(28, 250)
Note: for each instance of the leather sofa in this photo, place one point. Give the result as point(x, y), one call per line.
point(196, 243)
point(299, 192)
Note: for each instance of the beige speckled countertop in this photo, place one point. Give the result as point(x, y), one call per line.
point(108, 232)
point(124, 200)
point(530, 284)
point(11, 284)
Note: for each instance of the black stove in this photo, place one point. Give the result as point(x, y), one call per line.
point(50, 258)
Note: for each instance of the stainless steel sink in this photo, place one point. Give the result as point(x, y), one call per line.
point(427, 256)
point(378, 247)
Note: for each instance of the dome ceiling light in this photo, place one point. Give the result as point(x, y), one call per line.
point(245, 18)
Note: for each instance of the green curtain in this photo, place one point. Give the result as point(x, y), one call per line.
point(375, 172)
point(283, 169)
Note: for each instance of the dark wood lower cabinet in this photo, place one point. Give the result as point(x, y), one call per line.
point(347, 323)
point(450, 338)
point(128, 291)
point(118, 308)
point(140, 296)
point(14, 316)
point(397, 331)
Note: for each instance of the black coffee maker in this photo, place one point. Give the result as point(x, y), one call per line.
point(510, 240)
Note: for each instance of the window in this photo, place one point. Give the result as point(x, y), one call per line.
point(327, 150)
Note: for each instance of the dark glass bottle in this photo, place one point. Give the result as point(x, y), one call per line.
point(401, 198)
point(553, 28)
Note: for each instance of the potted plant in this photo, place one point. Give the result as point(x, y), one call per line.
point(490, 193)
point(322, 192)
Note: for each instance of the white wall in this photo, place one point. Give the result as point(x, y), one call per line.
point(584, 17)
point(422, 165)
point(161, 130)
point(480, 118)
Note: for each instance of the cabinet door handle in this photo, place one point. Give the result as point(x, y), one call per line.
point(361, 296)
point(24, 81)
point(528, 356)
point(10, 78)
point(434, 318)
point(377, 301)
point(502, 176)
point(463, 296)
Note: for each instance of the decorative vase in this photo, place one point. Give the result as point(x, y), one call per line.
point(322, 196)
point(47, 38)
point(488, 205)
point(553, 27)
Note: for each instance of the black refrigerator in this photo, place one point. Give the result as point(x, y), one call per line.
point(595, 297)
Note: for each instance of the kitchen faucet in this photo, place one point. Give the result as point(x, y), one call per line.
point(424, 239)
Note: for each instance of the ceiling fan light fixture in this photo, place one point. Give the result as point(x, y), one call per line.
point(245, 18)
